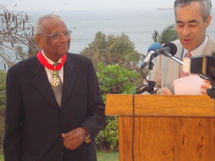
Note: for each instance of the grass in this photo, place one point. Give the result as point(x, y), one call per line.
point(101, 156)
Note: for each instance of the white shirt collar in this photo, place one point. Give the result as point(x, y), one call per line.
point(198, 52)
point(49, 72)
point(49, 60)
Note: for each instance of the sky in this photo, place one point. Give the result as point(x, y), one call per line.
point(60, 5)
point(27, 5)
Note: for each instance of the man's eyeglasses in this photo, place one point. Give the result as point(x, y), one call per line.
point(57, 36)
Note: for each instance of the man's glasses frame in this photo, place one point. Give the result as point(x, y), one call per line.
point(57, 36)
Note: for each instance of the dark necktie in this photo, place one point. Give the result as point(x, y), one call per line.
point(57, 89)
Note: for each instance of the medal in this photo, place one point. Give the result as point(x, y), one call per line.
point(55, 81)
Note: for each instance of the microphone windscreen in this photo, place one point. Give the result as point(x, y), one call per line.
point(155, 46)
point(172, 46)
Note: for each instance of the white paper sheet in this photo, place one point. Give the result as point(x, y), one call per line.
point(190, 85)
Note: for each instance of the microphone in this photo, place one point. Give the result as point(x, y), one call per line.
point(151, 53)
point(169, 50)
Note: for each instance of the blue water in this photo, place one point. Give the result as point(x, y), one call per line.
point(138, 25)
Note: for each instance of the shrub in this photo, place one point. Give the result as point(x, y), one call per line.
point(2, 103)
point(107, 140)
point(113, 49)
point(113, 79)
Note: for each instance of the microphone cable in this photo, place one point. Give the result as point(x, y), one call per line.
point(133, 117)
point(133, 120)
point(133, 114)
point(149, 88)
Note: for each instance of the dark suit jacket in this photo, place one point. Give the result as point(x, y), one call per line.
point(34, 121)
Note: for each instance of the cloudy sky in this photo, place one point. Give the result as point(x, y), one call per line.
point(85, 4)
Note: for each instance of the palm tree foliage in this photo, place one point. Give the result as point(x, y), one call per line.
point(167, 35)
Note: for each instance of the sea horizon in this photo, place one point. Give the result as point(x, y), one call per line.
point(138, 25)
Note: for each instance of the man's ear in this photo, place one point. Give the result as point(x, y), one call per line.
point(208, 21)
point(38, 40)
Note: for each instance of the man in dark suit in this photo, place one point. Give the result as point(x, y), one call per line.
point(192, 19)
point(45, 122)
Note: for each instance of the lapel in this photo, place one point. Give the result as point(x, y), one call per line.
point(179, 54)
point(70, 76)
point(210, 47)
point(41, 83)
point(172, 68)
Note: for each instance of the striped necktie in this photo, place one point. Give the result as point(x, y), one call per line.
point(182, 73)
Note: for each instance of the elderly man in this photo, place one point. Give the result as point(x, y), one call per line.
point(192, 19)
point(54, 108)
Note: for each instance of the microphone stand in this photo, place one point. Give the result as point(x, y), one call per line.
point(148, 88)
point(150, 84)
point(167, 54)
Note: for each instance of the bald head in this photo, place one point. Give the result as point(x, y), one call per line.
point(39, 25)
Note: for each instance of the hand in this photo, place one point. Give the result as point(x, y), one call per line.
point(205, 86)
point(74, 138)
point(163, 91)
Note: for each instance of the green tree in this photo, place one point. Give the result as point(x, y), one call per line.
point(2, 103)
point(111, 49)
point(2, 87)
point(115, 80)
point(167, 35)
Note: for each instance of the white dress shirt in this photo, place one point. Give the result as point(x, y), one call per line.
point(198, 52)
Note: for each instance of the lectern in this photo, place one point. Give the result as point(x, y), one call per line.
point(164, 128)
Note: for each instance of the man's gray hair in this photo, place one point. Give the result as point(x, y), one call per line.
point(206, 6)
point(38, 27)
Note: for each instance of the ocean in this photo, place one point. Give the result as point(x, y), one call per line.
point(138, 25)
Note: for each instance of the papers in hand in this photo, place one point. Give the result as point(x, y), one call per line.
point(190, 85)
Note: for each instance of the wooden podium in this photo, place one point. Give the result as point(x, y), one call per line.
point(164, 128)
